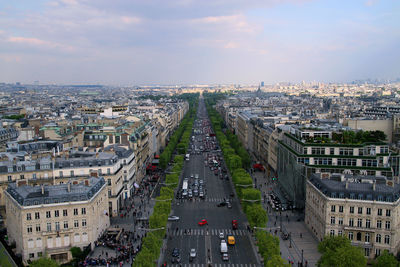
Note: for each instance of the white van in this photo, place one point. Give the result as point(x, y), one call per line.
point(224, 247)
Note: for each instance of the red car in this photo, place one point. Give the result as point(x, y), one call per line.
point(234, 224)
point(203, 222)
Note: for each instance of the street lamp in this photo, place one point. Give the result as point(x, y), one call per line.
point(151, 230)
point(250, 200)
point(244, 185)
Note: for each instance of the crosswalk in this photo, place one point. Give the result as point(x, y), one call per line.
point(214, 265)
point(212, 232)
point(215, 199)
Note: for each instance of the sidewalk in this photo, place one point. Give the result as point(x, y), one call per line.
point(291, 223)
point(138, 206)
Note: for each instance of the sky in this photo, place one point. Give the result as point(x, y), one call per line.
point(143, 42)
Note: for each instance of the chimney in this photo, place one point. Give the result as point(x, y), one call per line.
point(347, 184)
point(374, 185)
point(42, 189)
point(69, 187)
point(97, 155)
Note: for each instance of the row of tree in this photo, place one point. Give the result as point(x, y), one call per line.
point(153, 241)
point(236, 158)
point(337, 251)
point(177, 136)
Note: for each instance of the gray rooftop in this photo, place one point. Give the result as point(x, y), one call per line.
point(27, 195)
point(358, 187)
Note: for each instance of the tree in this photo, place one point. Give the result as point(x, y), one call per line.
point(338, 251)
point(256, 215)
point(276, 261)
point(386, 260)
point(234, 162)
point(44, 262)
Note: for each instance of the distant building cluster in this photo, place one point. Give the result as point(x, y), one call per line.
point(71, 155)
point(319, 143)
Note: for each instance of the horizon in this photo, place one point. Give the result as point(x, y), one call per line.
point(183, 42)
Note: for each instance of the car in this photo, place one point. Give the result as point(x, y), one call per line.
point(201, 182)
point(175, 252)
point(231, 240)
point(221, 204)
point(234, 224)
point(192, 253)
point(203, 222)
point(201, 194)
point(221, 235)
point(229, 205)
point(225, 257)
point(173, 218)
point(196, 176)
point(191, 176)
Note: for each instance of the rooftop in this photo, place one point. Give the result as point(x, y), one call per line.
point(28, 195)
point(361, 187)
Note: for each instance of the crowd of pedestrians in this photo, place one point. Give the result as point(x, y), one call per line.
point(132, 221)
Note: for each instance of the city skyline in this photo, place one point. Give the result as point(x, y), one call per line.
point(198, 42)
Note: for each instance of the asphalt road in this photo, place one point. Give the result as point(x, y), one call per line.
point(186, 234)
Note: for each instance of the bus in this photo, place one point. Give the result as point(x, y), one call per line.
point(185, 187)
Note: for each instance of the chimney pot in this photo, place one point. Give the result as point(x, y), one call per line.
point(374, 185)
point(42, 189)
point(69, 187)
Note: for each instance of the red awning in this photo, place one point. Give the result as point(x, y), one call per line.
point(157, 156)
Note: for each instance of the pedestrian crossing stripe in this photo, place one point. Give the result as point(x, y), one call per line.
point(213, 232)
point(215, 265)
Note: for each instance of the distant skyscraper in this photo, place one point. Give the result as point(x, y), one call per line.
point(262, 84)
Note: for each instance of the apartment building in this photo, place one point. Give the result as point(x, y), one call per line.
point(363, 208)
point(49, 220)
point(306, 150)
point(116, 164)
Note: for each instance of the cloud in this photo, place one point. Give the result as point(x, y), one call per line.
point(38, 43)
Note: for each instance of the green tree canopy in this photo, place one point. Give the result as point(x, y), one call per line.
point(276, 261)
point(386, 260)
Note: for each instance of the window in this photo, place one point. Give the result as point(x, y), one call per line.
point(28, 217)
point(332, 233)
point(346, 151)
point(351, 235)
point(378, 238)
point(108, 171)
point(61, 174)
point(379, 212)
point(377, 252)
point(359, 222)
point(56, 213)
point(76, 223)
point(340, 208)
point(388, 213)
point(387, 239)
point(358, 236)
point(83, 210)
point(332, 151)
point(48, 214)
point(75, 211)
point(351, 209)
point(108, 181)
point(340, 221)
point(72, 173)
point(29, 228)
point(34, 176)
point(369, 163)
point(332, 220)
point(65, 212)
point(367, 223)
point(387, 225)
point(48, 227)
point(333, 208)
point(83, 222)
point(40, 254)
point(21, 176)
point(367, 237)
point(31, 255)
point(37, 215)
point(366, 252)
point(37, 227)
point(65, 224)
point(360, 210)
point(57, 226)
point(351, 222)
point(9, 177)
point(340, 233)
point(368, 211)
point(379, 224)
